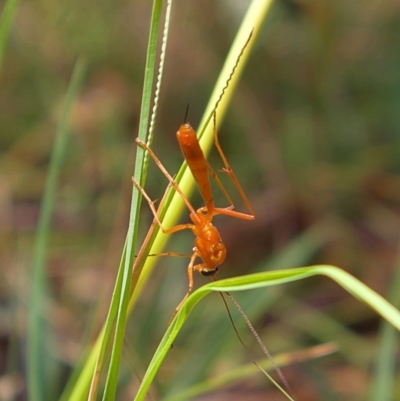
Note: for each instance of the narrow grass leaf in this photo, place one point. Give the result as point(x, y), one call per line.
point(92, 369)
point(79, 381)
point(384, 381)
point(125, 271)
point(261, 280)
point(37, 358)
point(107, 332)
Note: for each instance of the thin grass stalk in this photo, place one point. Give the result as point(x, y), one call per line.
point(127, 262)
point(118, 304)
point(93, 366)
point(385, 378)
point(37, 358)
point(106, 334)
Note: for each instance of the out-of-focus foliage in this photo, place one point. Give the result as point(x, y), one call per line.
point(313, 135)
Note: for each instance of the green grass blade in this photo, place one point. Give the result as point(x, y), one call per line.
point(78, 383)
point(106, 336)
point(261, 280)
point(384, 382)
point(5, 23)
point(96, 359)
point(37, 322)
point(346, 280)
point(127, 265)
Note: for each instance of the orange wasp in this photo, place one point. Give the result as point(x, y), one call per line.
point(208, 243)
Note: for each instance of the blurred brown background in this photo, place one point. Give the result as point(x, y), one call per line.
point(312, 134)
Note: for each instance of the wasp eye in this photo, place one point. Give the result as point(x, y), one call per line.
point(209, 272)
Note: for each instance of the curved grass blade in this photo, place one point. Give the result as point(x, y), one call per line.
point(384, 383)
point(261, 280)
point(37, 358)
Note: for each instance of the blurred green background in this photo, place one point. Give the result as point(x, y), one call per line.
point(312, 135)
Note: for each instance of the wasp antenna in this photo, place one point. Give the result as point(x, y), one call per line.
point(260, 342)
point(233, 70)
point(230, 315)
